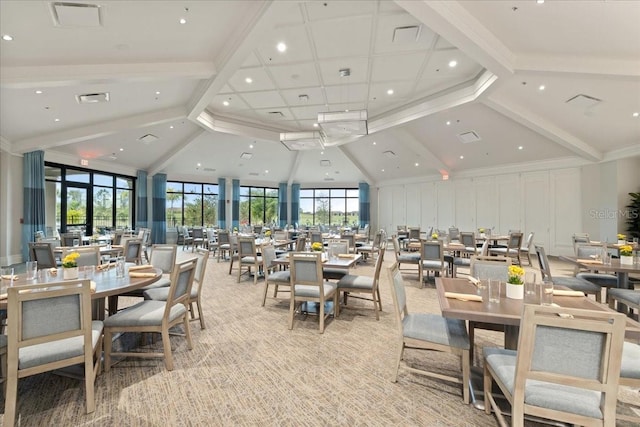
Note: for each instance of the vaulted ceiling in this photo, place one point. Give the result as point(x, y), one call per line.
point(556, 83)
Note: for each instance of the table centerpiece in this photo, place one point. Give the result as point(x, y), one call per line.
point(70, 266)
point(515, 282)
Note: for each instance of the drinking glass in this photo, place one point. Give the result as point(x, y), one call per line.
point(32, 269)
point(120, 267)
point(76, 242)
point(530, 283)
point(6, 279)
point(546, 292)
point(493, 287)
point(482, 288)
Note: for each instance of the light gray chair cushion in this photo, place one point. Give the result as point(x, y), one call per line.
point(3, 341)
point(251, 260)
point(145, 313)
point(608, 280)
point(314, 291)
point(280, 276)
point(415, 258)
point(625, 295)
point(463, 262)
point(40, 354)
point(577, 284)
point(543, 394)
point(357, 282)
point(434, 264)
point(630, 361)
point(436, 329)
point(161, 294)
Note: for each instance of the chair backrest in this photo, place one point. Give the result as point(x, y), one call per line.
point(574, 347)
point(543, 262)
point(580, 238)
point(42, 252)
point(133, 251)
point(223, 237)
point(396, 246)
point(268, 256)
point(454, 233)
point(351, 239)
point(377, 240)
point(301, 241)
point(181, 282)
point(43, 313)
point(117, 237)
point(38, 235)
point(431, 250)
point(515, 241)
point(414, 233)
point(163, 257)
point(399, 295)
point(202, 257)
point(379, 262)
point(88, 255)
point(484, 251)
point(587, 251)
point(68, 239)
point(490, 267)
point(246, 247)
point(338, 246)
point(316, 236)
point(529, 241)
point(306, 269)
point(197, 233)
point(468, 239)
point(280, 235)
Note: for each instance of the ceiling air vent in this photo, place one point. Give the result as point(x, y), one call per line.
point(275, 114)
point(409, 34)
point(209, 169)
point(92, 98)
point(390, 154)
point(246, 156)
point(148, 138)
point(325, 163)
point(583, 101)
point(467, 137)
point(254, 174)
point(329, 179)
point(76, 14)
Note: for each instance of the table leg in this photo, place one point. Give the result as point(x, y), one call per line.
point(511, 333)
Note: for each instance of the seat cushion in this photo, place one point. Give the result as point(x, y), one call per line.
point(314, 291)
point(161, 294)
point(145, 313)
point(251, 260)
point(608, 280)
point(630, 361)
point(465, 262)
point(437, 265)
point(356, 282)
point(577, 284)
point(543, 394)
point(625, 295)
point(409, 258)
point(436, 329)
point(39, 354)
point(280, 276)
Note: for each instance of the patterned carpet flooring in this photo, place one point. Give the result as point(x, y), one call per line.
point(247, 369)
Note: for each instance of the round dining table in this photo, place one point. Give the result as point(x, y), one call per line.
point(106, 284)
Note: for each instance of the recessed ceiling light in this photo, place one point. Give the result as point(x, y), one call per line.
point(183, 21)
point(541, 87)
point(322, 153)
point(417, 164)
point(453, 63)
point(38, 92)
point(248, 80)
point(171, 127)
point(225, 103)
point(382, 170)
point(157, 92)
point(374, 143)
point(122, 149)
point(281, 47)
point(448, 122)
point(250, 145)
point(56, 120)
point(199, 164)
point(520, 147)
point(461, 157)
point(266, 171)
point(326, 173)
point(390, 92)
point(315, 125)
point(7, 37)
point(539, 1)
point(636, 114)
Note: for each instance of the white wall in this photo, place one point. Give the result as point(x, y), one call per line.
point(10, 208)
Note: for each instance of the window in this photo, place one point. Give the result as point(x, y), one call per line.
point(258, 205)
point(191, 204)
point(335, 206)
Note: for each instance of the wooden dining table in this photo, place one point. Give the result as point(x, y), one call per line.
point(345, 261)
point(615, 266)
point(106, 284)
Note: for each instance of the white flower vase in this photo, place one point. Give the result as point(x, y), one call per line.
point(70, 273)
point(622, 242)
point(515, 291)
point(626, 260)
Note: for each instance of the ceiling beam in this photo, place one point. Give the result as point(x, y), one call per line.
point(69, 75)
point(297, 160)
point(579, 66)
point(175, 150)
point(97, 130)
point(236, 127)
point(353, 159)
point(455, 24)
point(261, 18)
point(545, 128)
point(412, 142)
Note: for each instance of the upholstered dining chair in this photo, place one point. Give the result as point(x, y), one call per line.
point(336, 247)
point(574, 283)
point(248, 258)
point(87, 255)
point(372, 249)
point(50, 327)
point(308, 285)
point(404, 258)
point(68, 239)
point(195, 297)
point(223, 243)
point(513, 247)
point(426, 331)
point(271, 275)
point(133, 251)
point(197, 238)
point(42, 252)
point(431, 259)
point(599, 279)
point(629, 297)
point(566, 368)
point(527, 248)
point(630, 373)
point(155, 317)
point(363, 287)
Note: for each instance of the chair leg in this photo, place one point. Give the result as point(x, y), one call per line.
point(166, 345)
point(399, 351)
point(292, 310)
point(108, 340)
point(264, 295)
point(200, 314)
point(187, 332)
point(322, 315)
point(11, 396)
point(466, 372)
point(375, 304)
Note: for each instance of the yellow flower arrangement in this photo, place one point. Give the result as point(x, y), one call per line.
point(481, 230)
point(626, 250)
point(621, 236)
point(317, 247)
point(267, 233)
point(434, 235)
point(70, 260)
point(515, 275)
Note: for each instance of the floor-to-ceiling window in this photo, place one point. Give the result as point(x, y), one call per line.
point(258, 205)
point(191, 204)
point(87, 200)
point(329, 207)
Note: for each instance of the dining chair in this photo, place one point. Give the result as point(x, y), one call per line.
point(513, 247)
point(50, 327)
point(133, 251)
point(301, 242)
point(272, 276)
point(630, 374)
point(336, 247)
point(42, 252)
point(630, 298)
point(579, 239)
point(195, 297)
point(602, 280)
point(468, 239)
point(87, 255)
point(574, 283)
point(372, 249)
point(248, 257)
point(155, 317)
point(187, 240)
point(316, 236)
point(197, 238)
point(363, 287)
point(233, 251)
point(527, 248)
point(308, 285)
point(351, 238)
point(431, 259)
point(403, 258)
point(223, 243)
point(566, 368)
point(68, 239)
point(427, 331)
point(117, 237)
point(454, 234)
